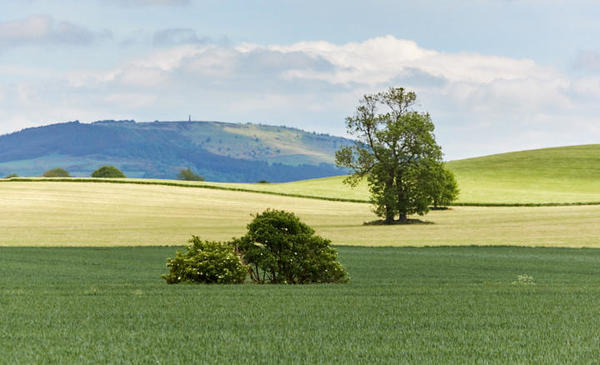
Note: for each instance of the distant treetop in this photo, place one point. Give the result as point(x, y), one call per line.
point(108, 171)
point(189, 175)
point(58, 172)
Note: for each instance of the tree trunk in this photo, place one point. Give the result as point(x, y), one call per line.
point(389, 215)
point(403, 218)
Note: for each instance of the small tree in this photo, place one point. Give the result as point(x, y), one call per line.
point(396, 151)
point(279, 248)
point(108, 171)
point(207, 262)
point(58, 172)
point(11, 176)
point(188, 174)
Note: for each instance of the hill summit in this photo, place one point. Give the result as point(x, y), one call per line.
point(218, 151)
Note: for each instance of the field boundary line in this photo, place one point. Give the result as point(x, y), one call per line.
point(214, 187)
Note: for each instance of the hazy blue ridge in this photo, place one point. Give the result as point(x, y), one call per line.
point(217, 151)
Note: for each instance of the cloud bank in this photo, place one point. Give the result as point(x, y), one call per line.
point(480, 104)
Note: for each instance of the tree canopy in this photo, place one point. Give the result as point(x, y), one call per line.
point(279, 248)
point(189, 175)
point(397, 152)
point(108, 171)
point(57, 172)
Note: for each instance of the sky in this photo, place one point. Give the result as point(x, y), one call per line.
point(495, 75)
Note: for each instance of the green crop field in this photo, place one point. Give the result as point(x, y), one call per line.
point(482, 301)
point(106, 214)
point(403, 305)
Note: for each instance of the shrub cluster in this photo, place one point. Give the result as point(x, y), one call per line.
point(206, 262)
point(278, 248)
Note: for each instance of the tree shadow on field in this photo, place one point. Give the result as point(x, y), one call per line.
point(381, 222)
point(440, 208)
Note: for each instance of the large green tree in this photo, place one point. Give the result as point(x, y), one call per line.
point(396, 151)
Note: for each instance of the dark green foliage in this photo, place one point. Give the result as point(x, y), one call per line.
point(58, 172)
point(396, 151)
point(108, 171)
point(11, 176)
point(206, 262)
point(443, 187)
point(279, 248)
point(263, 182)
point(189, 175)
point(443, 305)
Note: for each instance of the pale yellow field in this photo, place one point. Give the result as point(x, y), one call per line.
point(92, 214)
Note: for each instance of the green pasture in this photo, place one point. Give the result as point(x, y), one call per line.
point(106, 214)
point(560, 175)
point(403, 305)
point(551, 176)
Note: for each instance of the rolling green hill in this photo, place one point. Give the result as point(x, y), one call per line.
point(549, 175)
point(561, 175)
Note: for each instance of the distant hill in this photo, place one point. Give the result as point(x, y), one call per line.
point(217, 151)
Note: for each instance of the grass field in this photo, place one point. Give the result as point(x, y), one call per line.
point(553, 175)
point(403, 305)
point(443, 304)
point(92, 214)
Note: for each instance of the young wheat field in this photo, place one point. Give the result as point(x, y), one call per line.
point(102, 299)
point(402, 305)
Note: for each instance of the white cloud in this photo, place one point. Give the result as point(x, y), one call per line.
point(469, 77)
point(42, 29)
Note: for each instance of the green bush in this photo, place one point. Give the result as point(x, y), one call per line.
point(11, 176)
point(189, 175)
point(206, 262)
point(108, 171)
point(279, 248)
point(58, 172)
